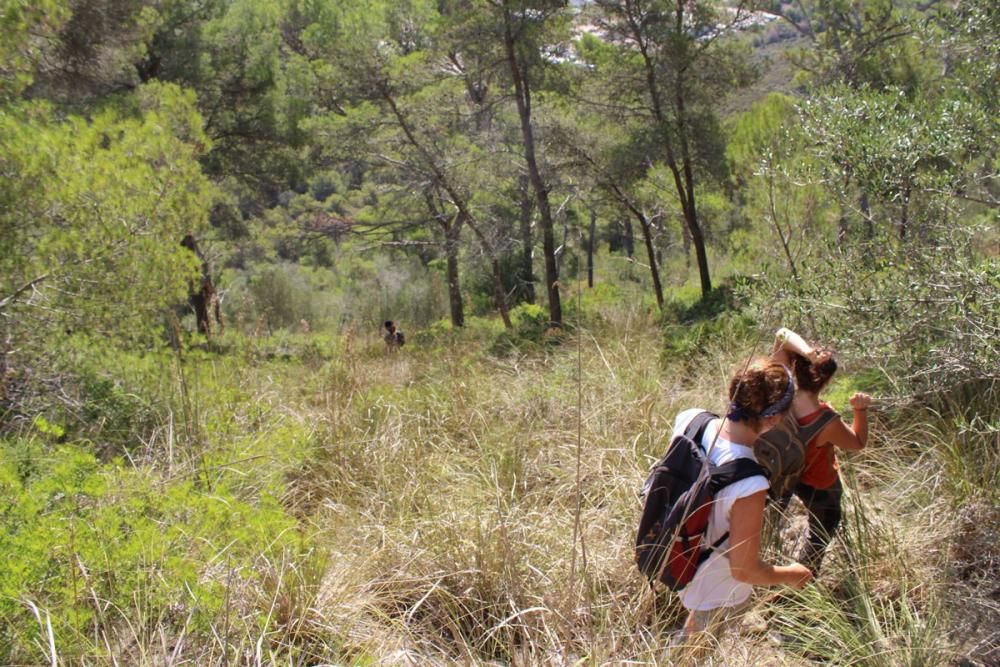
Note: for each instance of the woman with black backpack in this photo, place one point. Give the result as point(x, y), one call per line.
point(759, 397)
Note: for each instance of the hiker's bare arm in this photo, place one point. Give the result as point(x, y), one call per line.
point(859, 403)
point(746, 520)
point(787, 341)
point(853, 437)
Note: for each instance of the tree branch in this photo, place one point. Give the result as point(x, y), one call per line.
point(6, 301)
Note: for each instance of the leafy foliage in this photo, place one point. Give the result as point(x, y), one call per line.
point(95, 210)
point(101, 545)
point(289, 490)
point(22, 22)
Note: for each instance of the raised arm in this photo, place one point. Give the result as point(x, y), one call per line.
point(787, 341)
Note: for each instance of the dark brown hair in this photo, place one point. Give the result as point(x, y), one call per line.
point(812, 377)
point(763, 385)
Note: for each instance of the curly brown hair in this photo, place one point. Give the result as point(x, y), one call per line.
point(812, 377)
point(762, 385)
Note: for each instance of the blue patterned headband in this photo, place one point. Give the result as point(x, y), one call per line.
point(736, 413)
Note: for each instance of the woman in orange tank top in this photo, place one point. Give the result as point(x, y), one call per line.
point(819, 487)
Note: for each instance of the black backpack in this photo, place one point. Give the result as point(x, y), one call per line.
point(782, 450)
point(679, 494)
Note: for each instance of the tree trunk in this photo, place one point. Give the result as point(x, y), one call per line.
point(690, 210)
point(499, 296)
point(658, 226)
point(463, 216)
point(454, 288)
point(452, 228)
point(527, 242)
point(686, 239)
point(564, 243)
point(698, 239)
point(647, 236)
point(522, 96)
point(682, 170)
point(590, 248)
point(6, 348)
point(203, 299)
point(866, 213)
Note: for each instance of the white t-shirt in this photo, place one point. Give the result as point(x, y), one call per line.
point(713, 585)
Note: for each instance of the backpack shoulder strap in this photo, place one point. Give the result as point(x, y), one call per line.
point(735, 471)
point(810, 431)
point(695, 430)
point(722, 476)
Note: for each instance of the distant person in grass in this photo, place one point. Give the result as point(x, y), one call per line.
point(759, 397)
point(394, 339)
point(819, 486)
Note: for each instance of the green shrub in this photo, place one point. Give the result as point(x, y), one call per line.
point(531, 331)
point(99, 392)
point(282, 297)
point(682, 310)
point(437, 330)
point(105, 548)
point(530, 320)
point(690, 326)
point(925, 314)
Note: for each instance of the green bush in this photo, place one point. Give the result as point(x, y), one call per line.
point(103, 548)
point(531, 331)
point(690, 325)
point(925, 314)
point(282, 297)
point(101, 393)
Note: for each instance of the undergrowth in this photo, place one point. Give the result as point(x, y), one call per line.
point(302, 499)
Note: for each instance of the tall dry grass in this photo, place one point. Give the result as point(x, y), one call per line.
point(452, 506)
point(443, 485)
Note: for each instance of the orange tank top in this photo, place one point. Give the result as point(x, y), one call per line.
point(820, 471)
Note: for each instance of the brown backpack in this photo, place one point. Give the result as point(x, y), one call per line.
point(782, 450)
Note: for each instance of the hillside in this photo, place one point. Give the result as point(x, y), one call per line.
point(448, 503)
point(339, 333)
